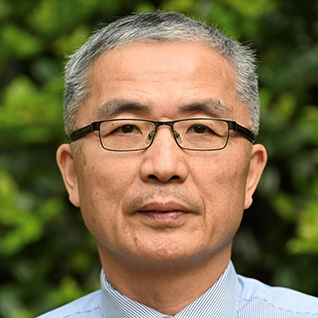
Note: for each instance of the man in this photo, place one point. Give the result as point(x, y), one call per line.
point(162, 112)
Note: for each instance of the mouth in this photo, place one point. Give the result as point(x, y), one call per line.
point(164, 211)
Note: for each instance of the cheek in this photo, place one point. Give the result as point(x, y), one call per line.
point(103, 186)
point(222, 186)
point(105, 176)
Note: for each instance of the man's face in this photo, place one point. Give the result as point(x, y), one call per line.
point(164, 203)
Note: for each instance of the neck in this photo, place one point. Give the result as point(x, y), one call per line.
point(167, 287)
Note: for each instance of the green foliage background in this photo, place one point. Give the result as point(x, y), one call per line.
point(47, 257)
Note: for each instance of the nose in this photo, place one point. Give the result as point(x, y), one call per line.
point(164, 161)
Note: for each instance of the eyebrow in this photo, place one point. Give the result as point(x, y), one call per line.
point(213, 107)
point(115, 107)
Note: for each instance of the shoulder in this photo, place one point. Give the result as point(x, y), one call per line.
point(275, 301)
point(87, 306)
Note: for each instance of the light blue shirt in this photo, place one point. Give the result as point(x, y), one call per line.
point(232, 296)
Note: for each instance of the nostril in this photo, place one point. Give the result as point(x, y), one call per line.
point(154, 177)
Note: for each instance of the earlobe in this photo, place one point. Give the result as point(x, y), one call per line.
point(66, 164)
point(256, 168)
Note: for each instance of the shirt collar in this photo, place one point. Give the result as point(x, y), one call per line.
point(219, 301)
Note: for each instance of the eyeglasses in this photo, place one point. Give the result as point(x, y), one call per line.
point(196, 134)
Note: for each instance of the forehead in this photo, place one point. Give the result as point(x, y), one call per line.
point(164, 78)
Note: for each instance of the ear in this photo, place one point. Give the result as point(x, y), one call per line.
point(66, 164)
point(256, 168)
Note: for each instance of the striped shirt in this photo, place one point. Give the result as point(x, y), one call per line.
point(232, 296)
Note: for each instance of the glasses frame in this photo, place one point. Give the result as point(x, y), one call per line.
point(95, 126)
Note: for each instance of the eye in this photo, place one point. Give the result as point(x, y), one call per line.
point(117, 129)
point(128, 129)
point(200, 129)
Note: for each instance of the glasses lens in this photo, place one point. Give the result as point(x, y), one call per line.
point(126, 134)
point(202, 134)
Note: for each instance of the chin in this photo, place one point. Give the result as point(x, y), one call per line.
point(171, 254)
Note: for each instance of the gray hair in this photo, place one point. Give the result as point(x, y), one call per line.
point(160, 27)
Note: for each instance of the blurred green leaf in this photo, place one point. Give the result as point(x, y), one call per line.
point(284, 205)
point(307, 238)
point(18, 42)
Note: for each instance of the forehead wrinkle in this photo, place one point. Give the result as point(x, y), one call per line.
point(115, 107)
point(211, 106)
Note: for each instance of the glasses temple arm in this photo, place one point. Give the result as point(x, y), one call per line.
point(243, 131)
point(77, 134)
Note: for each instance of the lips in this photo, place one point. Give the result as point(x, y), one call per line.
point(163, 207)
point(163, 211)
